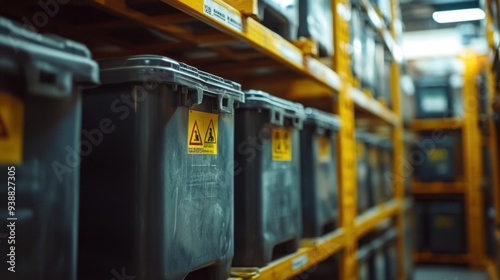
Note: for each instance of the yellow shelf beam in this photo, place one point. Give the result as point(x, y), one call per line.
point(430, 124)
point(492, 270)
point(312, 252)
point(372, 218)
point(437, 187)
point(260, 37)
point(428, 257)
point(372, 106)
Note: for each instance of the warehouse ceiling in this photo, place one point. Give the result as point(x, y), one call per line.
point(417, 14)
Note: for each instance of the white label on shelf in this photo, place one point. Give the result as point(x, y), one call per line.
point(289, 52)
point(321, 70)
point(299, 262)
point(222, 14)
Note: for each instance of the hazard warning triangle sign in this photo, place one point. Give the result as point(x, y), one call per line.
point(210, 135)
point(195, 138)
point(3, 129)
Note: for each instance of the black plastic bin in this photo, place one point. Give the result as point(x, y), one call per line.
point(268, 219)
point(364, 255)
point(316, 22)
point(357, 29)
point(391, 254)
point(362, 172)
point(421, 225)
point(378, 260)
point(446, 227)
point(386, 152)
point(434, 98)
point(438, 160)
point(40, 119)
point(375, 190)
point(281, 17)
point(157, 189)
point(320, 182)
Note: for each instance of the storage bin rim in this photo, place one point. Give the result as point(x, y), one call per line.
point(161, 69)
point(25, 53)
point(322, 119)
point(279, 107)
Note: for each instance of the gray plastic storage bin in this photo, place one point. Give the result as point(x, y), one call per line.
point(362, 172)
point(320, 182)
point(375, 190)
point(40, 113)
point(280, 16)
point(434, 98)
point(386, 152)
point(364, 256)
point(316, 22)
point(421, 225)
point(157, 188)
point(391, 254)
point(268, 219)
point(438, 161)
point(446, 227)
point(357, 25)
point(378, 260)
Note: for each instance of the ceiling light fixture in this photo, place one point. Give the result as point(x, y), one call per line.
point(458, 15)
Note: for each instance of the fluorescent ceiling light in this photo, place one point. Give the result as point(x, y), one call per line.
point(458, 15)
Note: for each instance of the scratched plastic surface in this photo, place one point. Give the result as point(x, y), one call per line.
point(319, 173)
point(150, 209)
point(46, 201)
point(267, 191)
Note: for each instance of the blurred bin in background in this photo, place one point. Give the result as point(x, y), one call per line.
point(40, 119)
point(320, 182)
point(268, 219)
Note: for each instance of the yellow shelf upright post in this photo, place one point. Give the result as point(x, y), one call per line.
point(472, 163)
point(341, 63)
point(398, 158)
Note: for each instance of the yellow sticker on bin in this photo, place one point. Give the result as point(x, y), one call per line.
point(203, 131)
point(11, 129)
point(282, 144)
point(324, 150)
point(437, 154)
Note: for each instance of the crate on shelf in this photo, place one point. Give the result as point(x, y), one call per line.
point(158, 183)
point(41, 78)
point(320, 181)
point(267, 197)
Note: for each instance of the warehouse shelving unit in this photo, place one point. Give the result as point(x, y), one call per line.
point(470, 184)
point(493, 38)
point(266, 58)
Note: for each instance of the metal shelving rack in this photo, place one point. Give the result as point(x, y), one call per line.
point(308, 80)
point(491, 141)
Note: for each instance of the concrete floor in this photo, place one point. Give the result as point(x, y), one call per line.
point(429, 272)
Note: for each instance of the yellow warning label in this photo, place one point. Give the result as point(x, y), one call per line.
point(360, 149)
point(282, 144)
point(324, 150)
point(437, 154)
point(11, 129)
point(202, 133)
point(443, 221)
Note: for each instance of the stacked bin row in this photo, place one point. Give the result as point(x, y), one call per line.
point(374, 169)
point(377, 256)
point(163, 171)
point(371, 60)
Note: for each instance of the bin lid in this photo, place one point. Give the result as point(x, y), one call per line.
point(386, 143)
point(369, 138)
point(51, 65)
point(153, 69)
point(322, 119)
point(389, 236)
point(283, 112)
